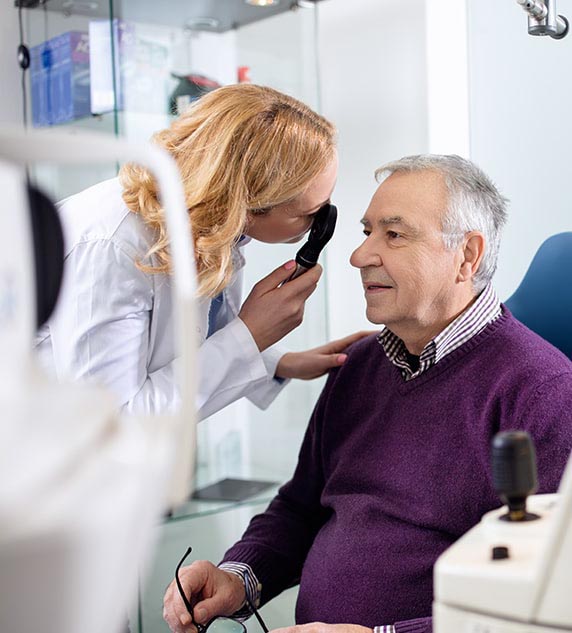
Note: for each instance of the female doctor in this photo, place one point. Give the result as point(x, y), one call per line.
point(255, 164)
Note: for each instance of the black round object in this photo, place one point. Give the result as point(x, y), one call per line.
point(48, 242)
point(23, 56)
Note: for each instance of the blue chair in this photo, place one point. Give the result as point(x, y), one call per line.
point(543, 301)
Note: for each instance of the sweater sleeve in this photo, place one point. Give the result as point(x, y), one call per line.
point(547, 416)
point(276, 542)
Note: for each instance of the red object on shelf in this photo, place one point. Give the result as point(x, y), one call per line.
point(244, 75)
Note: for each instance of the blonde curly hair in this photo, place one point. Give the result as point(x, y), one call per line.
point(241, 150)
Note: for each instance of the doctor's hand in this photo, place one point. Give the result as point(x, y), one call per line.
point(271, 311)
point(211, 590)
point(320, 627)
point(316, 362)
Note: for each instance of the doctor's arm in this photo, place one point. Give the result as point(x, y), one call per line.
point(101, 333)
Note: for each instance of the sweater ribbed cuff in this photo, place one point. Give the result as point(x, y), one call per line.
point(419, 625)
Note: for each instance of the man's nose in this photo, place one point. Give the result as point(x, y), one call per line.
point(364, 256)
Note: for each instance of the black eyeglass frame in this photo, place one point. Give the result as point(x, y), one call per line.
point(201, 628)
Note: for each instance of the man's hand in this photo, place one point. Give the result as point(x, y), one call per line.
point(320, 627)
point(211, 590)
point(316, 362)
point(272, 310)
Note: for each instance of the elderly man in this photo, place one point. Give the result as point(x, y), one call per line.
point(394, 466)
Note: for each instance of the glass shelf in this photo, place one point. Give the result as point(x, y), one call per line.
point(279, 51)
point(196, 509)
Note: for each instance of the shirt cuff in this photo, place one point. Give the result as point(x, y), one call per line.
point(384, 629)
point(251, 585)
point(271, 357)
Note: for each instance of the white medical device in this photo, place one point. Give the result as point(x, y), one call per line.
point(82, 490)
point(510, 576)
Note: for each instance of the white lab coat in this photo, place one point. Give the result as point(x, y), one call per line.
point(113, 324)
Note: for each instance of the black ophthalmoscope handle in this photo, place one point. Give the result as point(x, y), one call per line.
point(320, 234)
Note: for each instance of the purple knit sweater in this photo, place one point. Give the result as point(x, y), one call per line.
point(391, 473)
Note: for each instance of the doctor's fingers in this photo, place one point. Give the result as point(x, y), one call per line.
point(304, 285)
point(275, 278)
point(339, 345)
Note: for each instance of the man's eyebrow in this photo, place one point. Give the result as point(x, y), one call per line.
point(393, 220)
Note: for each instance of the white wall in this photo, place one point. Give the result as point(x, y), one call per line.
point(373, 79)
point(521, 126)
point(447, 77)
point(280, 53)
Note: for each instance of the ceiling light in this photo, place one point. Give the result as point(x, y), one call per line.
point(262, 3)
point(202, 23)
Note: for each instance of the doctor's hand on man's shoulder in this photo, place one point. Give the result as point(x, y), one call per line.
point(316, 362)
point(211, 591)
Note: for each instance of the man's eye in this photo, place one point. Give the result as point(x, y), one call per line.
point(392, 235)
point(367, 232)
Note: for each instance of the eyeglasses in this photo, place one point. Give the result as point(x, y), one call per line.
point(219, 624)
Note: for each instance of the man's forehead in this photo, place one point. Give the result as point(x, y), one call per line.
point(408, 198)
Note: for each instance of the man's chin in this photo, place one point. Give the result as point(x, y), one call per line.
point(374, 316)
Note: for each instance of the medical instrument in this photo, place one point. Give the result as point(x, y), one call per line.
point(543, 18)
point(320, 234)
point(83, 488)
point(511, 576)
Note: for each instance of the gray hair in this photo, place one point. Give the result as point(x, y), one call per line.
point(474, 204)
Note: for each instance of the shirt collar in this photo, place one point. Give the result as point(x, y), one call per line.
point(485, 309)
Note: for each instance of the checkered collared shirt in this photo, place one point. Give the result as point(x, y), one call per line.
point(474, 319)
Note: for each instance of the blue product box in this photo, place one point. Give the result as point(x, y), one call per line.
point(59, 77)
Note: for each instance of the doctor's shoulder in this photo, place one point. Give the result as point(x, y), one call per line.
point(99, 213)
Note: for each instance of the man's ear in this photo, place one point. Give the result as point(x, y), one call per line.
point(473, 251)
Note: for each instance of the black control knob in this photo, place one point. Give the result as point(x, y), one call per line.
point(514, 472)
point(500, 552)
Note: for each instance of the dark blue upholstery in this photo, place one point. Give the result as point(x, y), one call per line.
point(543, 301)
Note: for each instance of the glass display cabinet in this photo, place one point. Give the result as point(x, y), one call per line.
point(126, 67)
